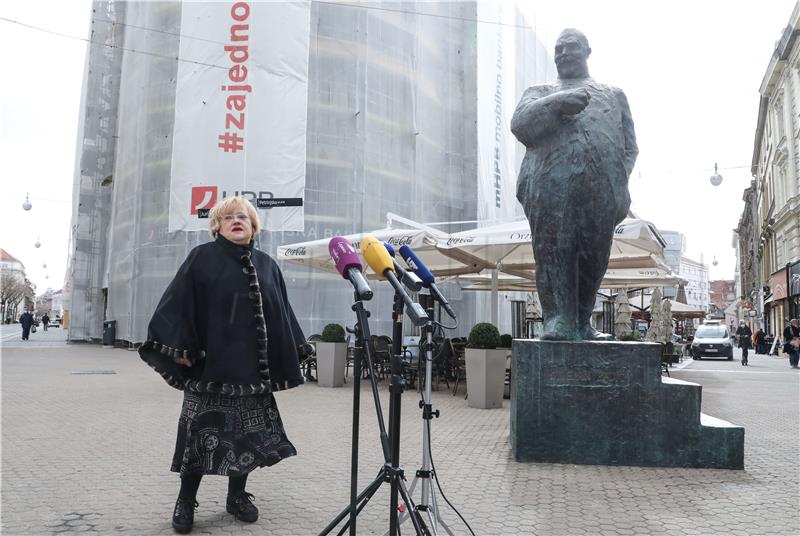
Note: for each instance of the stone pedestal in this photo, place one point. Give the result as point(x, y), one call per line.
point(606, 403)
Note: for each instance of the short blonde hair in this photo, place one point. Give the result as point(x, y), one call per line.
point(228, 205)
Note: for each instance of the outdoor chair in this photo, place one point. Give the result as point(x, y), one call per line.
point(666, 359)
point(310, 362)
point(381, 354)
point(459, 345)
point(351, 354)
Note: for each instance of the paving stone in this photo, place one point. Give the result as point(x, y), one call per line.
point(91, 453)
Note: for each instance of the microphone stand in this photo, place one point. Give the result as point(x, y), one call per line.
point(390, 443)
point(425, 473)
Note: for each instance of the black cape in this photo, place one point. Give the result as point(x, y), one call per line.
point(208, 314)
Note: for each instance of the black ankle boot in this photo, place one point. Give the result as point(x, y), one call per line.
point(183, 516)
point(242, 507)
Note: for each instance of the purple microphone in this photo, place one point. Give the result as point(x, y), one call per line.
point(348, 265)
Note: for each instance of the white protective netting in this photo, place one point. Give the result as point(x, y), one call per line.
point(392, 127)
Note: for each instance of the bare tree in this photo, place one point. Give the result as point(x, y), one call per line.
point(13, 289)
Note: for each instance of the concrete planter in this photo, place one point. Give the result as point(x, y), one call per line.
point(331, 360)
point(486, 371)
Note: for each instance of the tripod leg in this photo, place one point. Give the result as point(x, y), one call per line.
point(402, 517)
point(413, 514)
point(435, 517)
point(363, 498)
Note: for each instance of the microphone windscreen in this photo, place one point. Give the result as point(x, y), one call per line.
point(389, 248)
point(416, 264)
point(376, 255)
point(343, 255)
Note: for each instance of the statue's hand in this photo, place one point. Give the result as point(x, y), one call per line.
point(573, 101)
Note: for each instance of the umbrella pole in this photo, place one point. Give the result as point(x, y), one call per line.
point(494, 296)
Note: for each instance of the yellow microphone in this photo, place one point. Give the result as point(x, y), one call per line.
point(378, 258)
point(376, 255)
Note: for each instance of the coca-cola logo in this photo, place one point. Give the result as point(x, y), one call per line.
point(397, 241)
point(459, 241)
point(295, 252)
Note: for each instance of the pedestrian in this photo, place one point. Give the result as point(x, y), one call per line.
point(225, 334)
point(758, 341)
point(791, 342)
point(26, 321)
point(744, 335)
point(45, 321)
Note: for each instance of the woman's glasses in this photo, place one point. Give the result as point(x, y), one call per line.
point(237, 216)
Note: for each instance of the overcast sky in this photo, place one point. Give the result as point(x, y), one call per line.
point(691, 71)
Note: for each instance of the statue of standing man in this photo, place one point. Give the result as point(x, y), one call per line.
point(573, 184)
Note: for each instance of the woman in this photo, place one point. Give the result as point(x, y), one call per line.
point(758, 341)
point(225, 334)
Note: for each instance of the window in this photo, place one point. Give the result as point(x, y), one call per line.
point(780, 131)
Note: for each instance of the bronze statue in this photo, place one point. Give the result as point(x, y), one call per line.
point(573, 184)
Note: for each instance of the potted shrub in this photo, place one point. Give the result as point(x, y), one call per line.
point(505, 341)
point(331, 357)
point(634, 336)
point(486, 367)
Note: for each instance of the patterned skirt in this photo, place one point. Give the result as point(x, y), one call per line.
point(229, 436)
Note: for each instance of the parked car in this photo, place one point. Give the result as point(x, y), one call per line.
point(712, 340)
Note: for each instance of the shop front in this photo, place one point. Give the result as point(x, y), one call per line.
point(794, 289)
point(776, 309)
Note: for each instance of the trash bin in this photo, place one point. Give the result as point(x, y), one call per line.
point(109, 332)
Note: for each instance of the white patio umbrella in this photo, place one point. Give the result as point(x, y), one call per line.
point(425, 242)
point(616, 278)
point(677, 308)
point(507, 247)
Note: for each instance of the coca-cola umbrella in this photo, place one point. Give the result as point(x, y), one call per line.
point(507, 247)
point(426, 243)
point(615, 278)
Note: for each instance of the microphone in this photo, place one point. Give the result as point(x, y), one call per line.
point(409, 279)
point(428, 281)
point(348, 265)
point(381, 263)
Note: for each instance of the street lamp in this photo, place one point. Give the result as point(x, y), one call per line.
point(716, 178)
point(27, 204)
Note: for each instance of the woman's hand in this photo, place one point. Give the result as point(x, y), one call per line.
point(181, 360)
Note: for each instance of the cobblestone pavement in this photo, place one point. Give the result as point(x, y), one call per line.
point(90, 453)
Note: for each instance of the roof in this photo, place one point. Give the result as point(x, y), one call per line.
point(6, 256)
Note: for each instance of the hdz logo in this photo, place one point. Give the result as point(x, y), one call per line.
point(203, 200)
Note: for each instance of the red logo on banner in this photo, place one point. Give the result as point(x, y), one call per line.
point(203, 197)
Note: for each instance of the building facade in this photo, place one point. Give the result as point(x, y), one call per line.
point(673, 251)
point(392, 126)
point(748, 288)
point(775, 164)
point(16, 292)
point(721, 296)
point(697, 287)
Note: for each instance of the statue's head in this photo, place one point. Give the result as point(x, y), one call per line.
point(572, 51)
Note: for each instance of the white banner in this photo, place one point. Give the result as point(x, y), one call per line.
point(497, 65)
point(240, 112)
